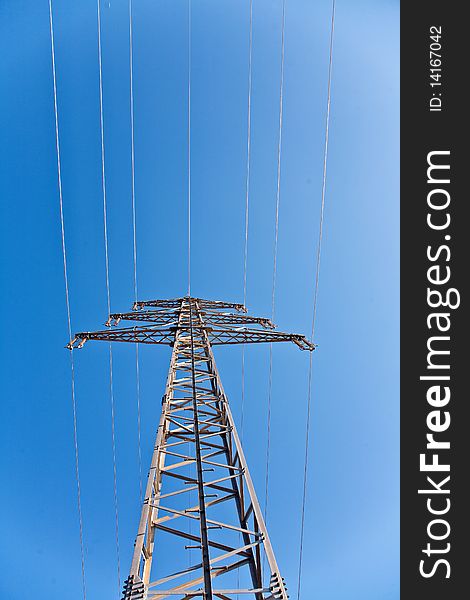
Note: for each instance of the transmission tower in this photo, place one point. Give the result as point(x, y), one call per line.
point(199, 491)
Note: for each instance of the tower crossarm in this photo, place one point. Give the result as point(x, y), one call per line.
point(166, 336)
point(141, 335)
point(162, 318)
point(170, 317)
point(243, 335)
point(216, 318)
point(203, 304)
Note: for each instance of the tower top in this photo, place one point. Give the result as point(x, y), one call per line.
point(176, 303)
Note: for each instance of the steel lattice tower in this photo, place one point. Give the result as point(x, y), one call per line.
point(199, 489)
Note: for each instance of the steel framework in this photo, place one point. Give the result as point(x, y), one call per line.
point(199, 489)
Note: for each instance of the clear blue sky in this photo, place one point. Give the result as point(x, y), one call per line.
point(352, 525)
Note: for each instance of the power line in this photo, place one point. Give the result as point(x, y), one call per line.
point(248, 153)
point(134, 237)
point(276, 236)
point(103, 171)
point(315, 295)
point(325, 160)
point(131, 83)
point(67, 302)
point(105, 221)
point(189, 147)
point(247, 204)
point(113, 440)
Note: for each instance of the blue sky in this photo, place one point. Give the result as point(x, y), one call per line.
point(351, 537)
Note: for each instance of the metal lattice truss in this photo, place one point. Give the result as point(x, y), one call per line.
point(221, 327)
point(202, 304)
point(201, 532)
point(169, 318)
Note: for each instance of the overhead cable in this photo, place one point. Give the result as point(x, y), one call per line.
point(315, 297)
point(67, 303)
point(134, 238)
point(108, 295)
point(247, 205)
point(189, 147)
point(276, 237)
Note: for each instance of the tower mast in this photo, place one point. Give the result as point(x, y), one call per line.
point(198, 453)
